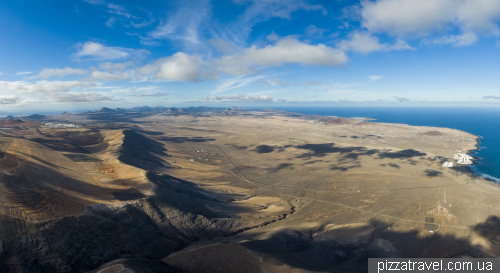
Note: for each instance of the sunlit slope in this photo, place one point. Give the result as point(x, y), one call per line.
point(40, 184)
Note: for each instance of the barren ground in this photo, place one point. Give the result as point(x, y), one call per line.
point(239, 194)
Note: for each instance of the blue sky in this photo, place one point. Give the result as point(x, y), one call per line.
point(85, 54)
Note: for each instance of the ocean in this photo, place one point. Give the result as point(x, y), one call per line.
point(483, 122)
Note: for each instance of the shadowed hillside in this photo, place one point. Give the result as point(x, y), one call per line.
point(140, 151)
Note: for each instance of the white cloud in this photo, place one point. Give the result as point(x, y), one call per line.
point(186, 23)
point(97, 51)
point(111, 22)
point(102, 75)
point(274, 82)
point(1, 73)
point(277, 81)
point(239, 98)
point(220, 45)
point(184, 67)
point(464, 39)
point(144, 23)
point(261, 10)
point(115, 66)
point(284, 51)
point(178, 67)
point(491, 97)
point(373, 78)
point(49, 72)
point(183, 26)
point(41, 87)
point(315, 32)
point(312, 83)
point(49, 91)
point(401, 99)
point(419, 18)
point(23, 73)
point(95, 2)
point(156, 94)
point(120, 10)
point(236, 82)
point(365, 42)
point(77, 97)
point(9, 100)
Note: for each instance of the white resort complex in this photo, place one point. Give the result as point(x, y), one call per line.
point(462, 158)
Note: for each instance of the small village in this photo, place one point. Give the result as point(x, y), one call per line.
point(61, 125)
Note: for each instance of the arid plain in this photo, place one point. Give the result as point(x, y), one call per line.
point(258, 192)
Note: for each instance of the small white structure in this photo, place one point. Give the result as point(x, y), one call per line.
point(464, 159)
point(448, 164)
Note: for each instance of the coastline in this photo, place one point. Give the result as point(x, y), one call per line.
point(473, 169)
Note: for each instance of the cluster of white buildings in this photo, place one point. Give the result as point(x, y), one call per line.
point(462, 158)
point(448, 164)
point(316, 121)
point(58, 125)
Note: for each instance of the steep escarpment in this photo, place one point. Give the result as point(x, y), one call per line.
point(71, 217)
point(140, 151)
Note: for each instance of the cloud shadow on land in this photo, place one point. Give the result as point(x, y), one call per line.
point(433, 173)
point(344, 168)
point(321, 150)
point(284, 166)
point(408, 153)
point(394, 165)
point(264, 149)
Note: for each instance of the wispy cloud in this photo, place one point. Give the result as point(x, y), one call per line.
point(401, 99)
point(96, 51)
point(464, 39)
point(239, 98)
point(111, 22)
point(373, 78)
point(77, 97)
point(315, 32)
point(20, 73)
point(95, 2)
point(156, 94)
point(491, 97)
point(182, 25)
point(274, 82)
point(9, 100)
point(115, 66)
point(119, 10)
point(41, 87)
point(49, 72)
point(107, 76)
point(236, 82)
point(365, 42)
point(312, 83)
